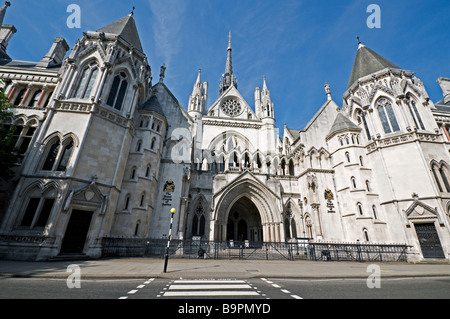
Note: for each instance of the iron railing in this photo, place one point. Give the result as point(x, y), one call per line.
point(301, 250)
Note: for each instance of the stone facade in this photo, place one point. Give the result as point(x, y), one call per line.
point(107, 153)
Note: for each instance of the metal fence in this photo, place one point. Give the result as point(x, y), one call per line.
point(301, 250)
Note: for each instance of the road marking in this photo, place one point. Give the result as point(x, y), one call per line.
point(285, 291)
point(132, 292)
point(210, 293)
point(209, 288)
point(200, 281)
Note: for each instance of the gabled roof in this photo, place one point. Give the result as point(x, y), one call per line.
point(368, 62)
point(126, 29)
point(341, 124)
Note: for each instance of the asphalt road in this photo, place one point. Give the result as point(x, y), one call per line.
point(228, 288)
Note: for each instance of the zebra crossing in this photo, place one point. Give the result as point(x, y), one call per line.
point(210, 288)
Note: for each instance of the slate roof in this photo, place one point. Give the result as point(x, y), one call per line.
point(342, 123)
point(126, 29)
point(368, 62)
point(153, 105)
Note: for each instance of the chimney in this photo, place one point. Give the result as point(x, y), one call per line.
point(56, 55)
point(445, 86)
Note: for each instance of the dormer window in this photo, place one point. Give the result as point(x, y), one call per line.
point(118, 90)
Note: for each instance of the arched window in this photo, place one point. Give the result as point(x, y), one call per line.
point(246, 161)
point(20, 97)
point(66, 153)
point(147, 170)
point(138, 146)
point(361, 161)
point(434, 169)
point(360, 209)
point(291, 168)
point(283, 167)
point(443, 174)
point(152, 146)
point(87, 82)
point(127, 202)
point(35, 99)
point(353, 180)
point(347, 156)
point(367, 186)
point(415, 114)
point(50, 160)
point(38, 209)
point(118, 90)
point(199, 221)
point(366, 234)
point(141, 204)
point(133, 173)
point(374, 210)
point(387, 116)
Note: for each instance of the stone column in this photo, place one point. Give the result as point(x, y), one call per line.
point(317, 222)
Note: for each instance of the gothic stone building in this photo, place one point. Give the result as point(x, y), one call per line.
point(105, 152)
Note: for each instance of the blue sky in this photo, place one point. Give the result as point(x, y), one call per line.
point(298, 45)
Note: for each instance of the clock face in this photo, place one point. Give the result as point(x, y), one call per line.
point(231, 107)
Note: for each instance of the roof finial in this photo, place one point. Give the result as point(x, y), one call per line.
point(229, 40)
point(162, 75)
point(3, 11)
point(328, 91)
point(357, 38)
point(132, 12)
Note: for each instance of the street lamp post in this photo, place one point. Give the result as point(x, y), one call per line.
point(166, 258)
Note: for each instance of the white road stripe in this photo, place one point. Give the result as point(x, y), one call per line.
point(210, 293)
point(208, 287)
point(187, 281)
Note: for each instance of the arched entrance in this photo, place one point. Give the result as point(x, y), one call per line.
point(249, 201)
point(244, 222)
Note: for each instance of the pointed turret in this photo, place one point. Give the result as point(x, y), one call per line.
point(368, 62)
point(228, 79)
point(126, 29)
point(266, 102)
point(198, 98)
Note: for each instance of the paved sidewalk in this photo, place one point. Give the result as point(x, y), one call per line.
point(192, 268)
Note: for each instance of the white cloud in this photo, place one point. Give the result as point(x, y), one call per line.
point(168, 15)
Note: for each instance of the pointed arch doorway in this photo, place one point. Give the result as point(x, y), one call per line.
point(244, 222)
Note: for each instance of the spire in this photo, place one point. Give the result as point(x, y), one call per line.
point(3, 11)
point(367, 62)
point(198, 98)
point(228, 79)
point(229, 65)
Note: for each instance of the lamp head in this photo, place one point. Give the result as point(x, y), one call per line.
point(173, 211)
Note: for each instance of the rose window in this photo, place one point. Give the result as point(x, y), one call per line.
point(232, 107)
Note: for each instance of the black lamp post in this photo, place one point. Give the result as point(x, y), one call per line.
point(166, 258)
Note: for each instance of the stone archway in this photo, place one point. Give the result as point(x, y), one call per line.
point(244, 222)
point(255, 204)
